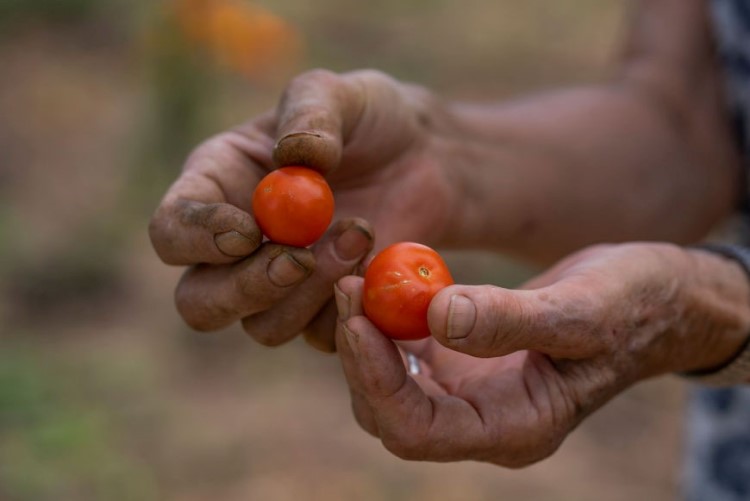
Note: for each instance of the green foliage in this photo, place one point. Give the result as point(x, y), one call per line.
point(54, 442)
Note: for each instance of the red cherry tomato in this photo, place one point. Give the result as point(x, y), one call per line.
point(293, 206)
point(399, 285)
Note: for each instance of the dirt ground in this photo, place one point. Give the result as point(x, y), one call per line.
point(105, 394)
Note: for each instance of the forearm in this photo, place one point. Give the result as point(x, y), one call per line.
point(646, 156)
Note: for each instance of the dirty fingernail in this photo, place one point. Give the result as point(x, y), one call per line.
point(285, 271)
point(298, 135)
point(353, 243)
point(462, 315)
point(234, 244)
point(343, 303)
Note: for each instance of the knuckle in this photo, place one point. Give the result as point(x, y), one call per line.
point(217, 153)
point(316, 76)
point(265, 337)
point(582, 317)
point(215, 146)
point(193, 314)
point(196, 307)
point(402, 451)
point(251, 281)
point(519, 463)
point(592, 250)
point(502, 335)
point(519, 457)
point(406, 445)
point(247, 285)
point(197, 324)
point(364, 418)
point(371, 74)
point(378, 83)
point(194, 317)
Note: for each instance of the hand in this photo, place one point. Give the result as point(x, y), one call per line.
point(549, 354)
point(369, 135)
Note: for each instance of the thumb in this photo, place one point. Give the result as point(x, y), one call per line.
point(487, 321)
point(318, 110)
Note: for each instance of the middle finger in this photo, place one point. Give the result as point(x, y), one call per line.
point(212, 297)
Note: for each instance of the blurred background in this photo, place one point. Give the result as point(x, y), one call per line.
point(104, 393)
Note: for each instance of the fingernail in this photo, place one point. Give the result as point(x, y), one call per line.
point(352, 339)
point(233, 243)
point(285, 271)
point(297, 135)
point(343, 303)
point(353, 243)
point(462, 315)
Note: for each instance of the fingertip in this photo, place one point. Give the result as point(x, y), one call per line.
point(234, 244)
point(316, 149)
point(244, 235)
point(262, 334)
point(466, 319)
point(187, 232)
point(350, 284)
point(488, 321)
point(343, 303)
point(438, 310)
point(316, 113)
point(290, 267)
point(354, 239)
point(344, 246)
point(349, 290)
point(196, 313)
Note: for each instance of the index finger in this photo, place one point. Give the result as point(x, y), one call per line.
point(205, 215)
point(411, 423)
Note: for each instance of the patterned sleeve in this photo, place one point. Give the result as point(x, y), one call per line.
point(717, 452)
point(732, 23)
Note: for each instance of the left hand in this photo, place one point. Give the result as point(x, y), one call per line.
point(508, 374)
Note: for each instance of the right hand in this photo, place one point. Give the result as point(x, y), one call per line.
point(508, 374)
point(371, 136)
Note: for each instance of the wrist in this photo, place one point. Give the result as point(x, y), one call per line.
point(718, 302)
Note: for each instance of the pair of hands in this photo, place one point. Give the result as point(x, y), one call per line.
point(507, 374)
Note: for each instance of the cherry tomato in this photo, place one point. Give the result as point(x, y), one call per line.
point(293, 206)
point(400, 282)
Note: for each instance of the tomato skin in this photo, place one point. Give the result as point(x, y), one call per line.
point(293, 206)
point(400, 282)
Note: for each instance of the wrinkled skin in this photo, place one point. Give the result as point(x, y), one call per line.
point(374, 157)
point(648, 155)
point(508, 382)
